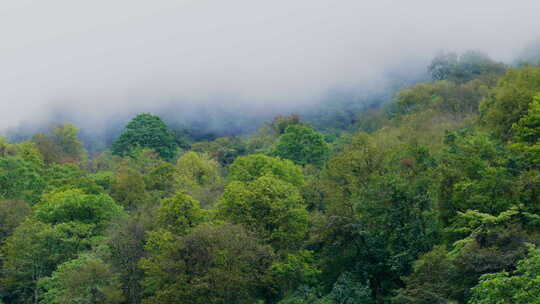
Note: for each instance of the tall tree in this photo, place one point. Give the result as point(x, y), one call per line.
point(146, 131)
point(302, 145)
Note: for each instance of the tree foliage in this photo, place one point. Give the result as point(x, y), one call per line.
point(146, 131)
point(302, 145)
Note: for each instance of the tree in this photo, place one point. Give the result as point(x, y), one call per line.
point(86, 279)
point(199, 176)
point(20, 179)
point(67, 176)
point(463, 68)
point(268, 206)
point(349, 171)
point(347, 290)
point(224, 149)
point(302, 145)
point(61, 145)
point(34, 250)
point(527, 134)
point(146, 131)
point(522, 286)
point(473, 173)
point(445, 97)
point(126, 239)
point(12, 213)
point(160, 180)
point(510, 100)
point(211, 264)
point(249, 168)
point(180, 213)
point(76, 206)
point(280, 123)
point(294, 270)
point(430, 281)
point(442, 66)
point(129, 188)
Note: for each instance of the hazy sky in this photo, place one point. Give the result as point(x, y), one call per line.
point(102, 56)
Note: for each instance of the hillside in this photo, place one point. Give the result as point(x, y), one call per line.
point(430, 195)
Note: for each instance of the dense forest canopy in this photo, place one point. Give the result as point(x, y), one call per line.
point(430, 197)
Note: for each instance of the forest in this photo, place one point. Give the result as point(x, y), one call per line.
point(431, 196)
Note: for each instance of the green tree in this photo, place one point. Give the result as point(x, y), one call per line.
point(86, 279)
point(298, 268)
point(161, 180)
point(211, 264)
point(347, 290)
point(302, 145)
point(61, 145)
point(199, 176)
point(76, 206)
point(510, 100)
point(268, 206)
point(224, 149)
point(430, 281)
point(67, 176)
point(180, 213)
point(126, 239)
point(12, 213)
point(249, 168)
point(20, 179)
point(146, 131)
point(473, 173)
point(522, 286)
point(128, 188)
point(527, 134)
point(34, 250)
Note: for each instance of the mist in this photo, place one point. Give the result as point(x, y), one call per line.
point(93, 62)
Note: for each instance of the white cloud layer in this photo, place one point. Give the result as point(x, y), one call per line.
point(101, 57)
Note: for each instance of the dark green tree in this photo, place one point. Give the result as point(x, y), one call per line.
point(302, 145)
point(146, 131)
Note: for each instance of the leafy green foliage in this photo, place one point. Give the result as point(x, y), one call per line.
point(75, 206)
point(294, 270)
point(146, 131)
point(61, 145)
point(180, 213)
point(211, 264)
point(510, 100)
point(520, 287)
point(268, 206)
point(126, 240)
point(445, 97)
point(86, 279)
point(224, 149)
point(20, 179)
point(302, 145)
point(527, 135)
point(435, 200)
point(475, 173)
point(68, 176)
point(200, 176)
point(129, 188)
point(34, 250)
point(12, 213)
point(249, 168)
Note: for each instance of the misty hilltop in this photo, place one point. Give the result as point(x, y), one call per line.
point(97, 64)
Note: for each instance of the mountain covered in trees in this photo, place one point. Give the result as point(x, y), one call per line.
point(431, 197)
